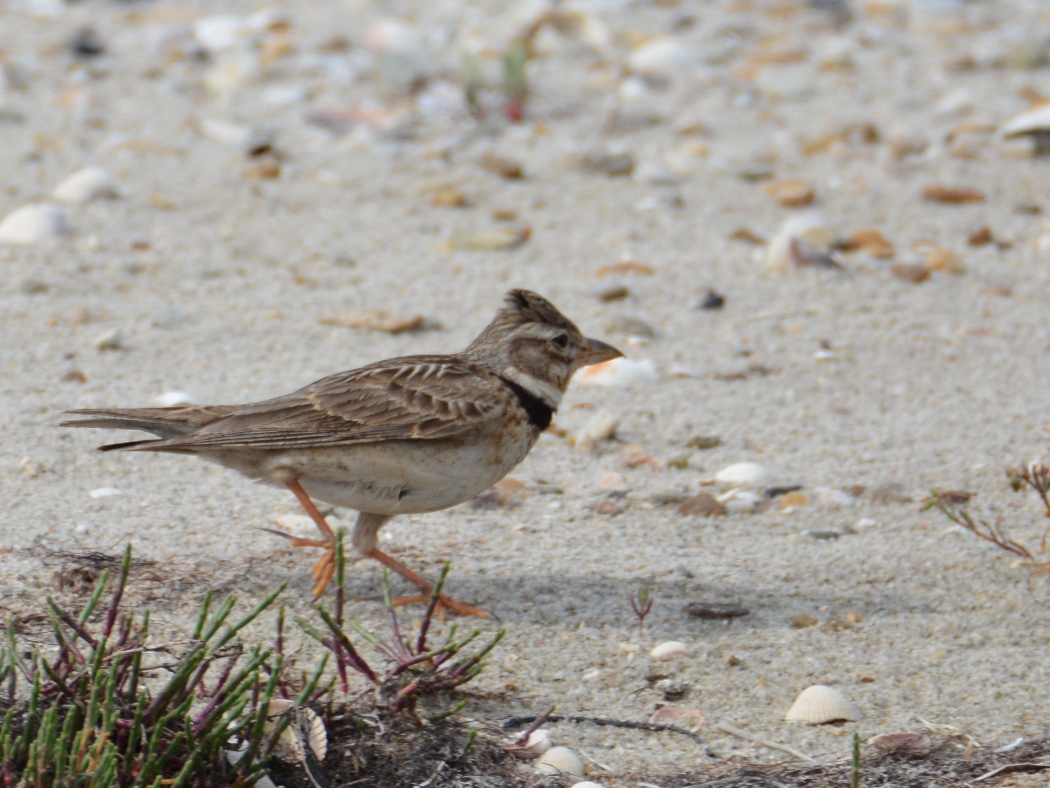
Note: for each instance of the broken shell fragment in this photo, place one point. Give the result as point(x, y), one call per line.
point(619, 372)
point(744, 473)
point(678, 715)
point(670, 649)
point(599, 427)
point(171, 399)
point(1034, 123)
point(560, 760)
point(304, 730)
point(794, 193)
point(802, 242)
point(912, 745)
point(85, 185)
point(820, 704)
point(34, 224)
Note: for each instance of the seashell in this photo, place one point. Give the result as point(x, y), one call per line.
point(819, 704)
point(679, 715)
point(402, 59)
point(662, 59)
point(539, 742)
point(305, 730)
point(111, 339)
point(741, 501)
point(670, 649)
point(802, 241)
point(744, 473)
point(33, 224)
point(586, 784)
point(497, 240)
point(104, 492)
point(560, 760)
point(171, 399)
point(1034, 123)
point(618, 372)
point(85, 185)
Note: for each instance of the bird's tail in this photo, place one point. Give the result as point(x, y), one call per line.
point(162, 422)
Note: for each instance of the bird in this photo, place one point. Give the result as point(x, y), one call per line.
point(406, 435)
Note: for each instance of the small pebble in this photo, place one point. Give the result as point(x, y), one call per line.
point(711, 300)
point(614, 165)
point(703, 505)
point(632, 326)
point(110, 339)
point(804, 620)
point(502, 166)
point(171, 399)
point(104, 492)
point(612, 292)
point(715, 611)
point(672, 689)
point(791, 193)
point(703, 442)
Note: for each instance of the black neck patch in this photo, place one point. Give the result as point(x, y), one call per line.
point(539, 412)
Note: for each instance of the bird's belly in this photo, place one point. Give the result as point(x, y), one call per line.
point(401, 478)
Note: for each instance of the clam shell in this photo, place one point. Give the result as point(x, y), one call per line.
point(1031, 122)
point(86, 185)
point(34, 224)
point(670, 649)
point(539, 742)
point(819, 704)
point(306, 729)
point(560, 760)
point(744, 473)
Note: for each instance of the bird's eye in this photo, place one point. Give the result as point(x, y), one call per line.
point(561, 341)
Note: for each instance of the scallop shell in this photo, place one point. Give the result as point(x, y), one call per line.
point(819, 704)
point(619, 372)
point(670, 649)
point(85, 185)
point(744, 473)
point(560, 760)
point(33, 224)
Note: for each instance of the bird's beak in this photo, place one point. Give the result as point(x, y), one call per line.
point(595, 352)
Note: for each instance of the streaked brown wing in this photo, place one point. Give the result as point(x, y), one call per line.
point(410, 398)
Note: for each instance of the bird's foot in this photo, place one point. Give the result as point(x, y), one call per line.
point(324, 570)
point(445, 604)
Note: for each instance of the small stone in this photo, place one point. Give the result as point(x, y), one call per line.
point(34, 224)
point(87, 43)
point(712, 300)
point(670, 649)
point(703, 442)
point(497, 240)
point(956, 497)
point(448, 197)
point(74, 376)
point(624, 268)
point(793, 500)
point(703, 505)
point(804, 620)
point(268, 168)
point(981, 237)
point(915, 273)
point(612, 292)
point(606, 508)
point(172, 399)
point(714, 611)
point(86, 184)
point(940, 259)
point(104, 492)
point(679, 716)
point(952, 195)
point(791, 193)
point(822, 536)
point(871, 242)
point(911, 745)
point(672, 689)
point(502, 166)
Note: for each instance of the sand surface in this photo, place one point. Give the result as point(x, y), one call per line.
point(216, 281)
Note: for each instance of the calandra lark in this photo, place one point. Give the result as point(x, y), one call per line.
point(402, 436)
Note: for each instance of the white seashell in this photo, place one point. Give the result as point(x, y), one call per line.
point(741, 501)
point(85, 185)
point(865, 522)
point(171, 399)
point(110, 339)
point(305, 730)
point(539, 742)
point(1035, 124)
point(663, 58)
point(104, 492)
point(819, 704)
point(801, 241)
point(599, 427)
point(33, 224)
point(560, 760)
point(224, 132)
point(670, 649)
point(744, 473)
point(619, 372)
point(587, 784)
point(833, 496)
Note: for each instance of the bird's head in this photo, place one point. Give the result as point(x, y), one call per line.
point(534, 345)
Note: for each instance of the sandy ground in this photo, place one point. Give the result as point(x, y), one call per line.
point(216, 281)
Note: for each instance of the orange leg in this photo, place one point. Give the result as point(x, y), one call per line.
point(424, 585)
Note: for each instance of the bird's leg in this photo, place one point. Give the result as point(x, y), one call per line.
point(324, 569)
point(365, 535)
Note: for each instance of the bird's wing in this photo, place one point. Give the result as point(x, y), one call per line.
point(410, 398)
